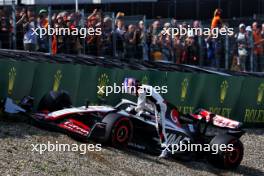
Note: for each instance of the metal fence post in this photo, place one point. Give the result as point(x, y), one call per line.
point(226, 52)
point(251, 53)
point(49, 22)
point(82, 26)
point(144, 44)
point(172, 44)
point(201, 52)
point(114, 34)
point(14, 24)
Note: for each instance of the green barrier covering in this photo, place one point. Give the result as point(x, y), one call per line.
point(184, 90)
point(16, 78)
point(55, 77)
point(240, 98)
point(250, 105)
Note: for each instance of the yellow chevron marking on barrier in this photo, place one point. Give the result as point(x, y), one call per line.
point(103, 81)
point(57, 80)
point(223, 91)
point(184, 89)
point(260, 95)
point(144, 80)
point(11, 80)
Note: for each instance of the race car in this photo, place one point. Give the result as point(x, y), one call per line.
point(121, 127)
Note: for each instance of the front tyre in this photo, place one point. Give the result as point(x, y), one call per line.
point(227, 159)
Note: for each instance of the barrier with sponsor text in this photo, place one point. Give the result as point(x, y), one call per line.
point(239, 98)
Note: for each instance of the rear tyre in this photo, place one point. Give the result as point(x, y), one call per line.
point(227, 159)
point(121, 132)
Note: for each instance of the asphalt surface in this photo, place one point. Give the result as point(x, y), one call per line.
point(17, 158)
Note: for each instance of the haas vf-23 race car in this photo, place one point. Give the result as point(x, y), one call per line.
point(120, 126)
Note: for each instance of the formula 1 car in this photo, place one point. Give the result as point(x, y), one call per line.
point(121, 127)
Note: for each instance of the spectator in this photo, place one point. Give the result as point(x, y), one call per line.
point(60, 22)
point(156, 28)
point(190, 51)
point(119, 33)
point(217, 21)
point(30, 38)
point(5, 29)
point(73, 41)
point(249, 63)
point(178, 49)
point(174, 23)
point(141, 45)
point(219, 41)
point(258, 60)
point(43, 23)
point(242, 47)
point(130, 42)
point(92, 41)
point(199, 44)
point(20, 17)
point(107, 42)
point(254, 26)
point(262, 31)
point(211, 60)
point(155, 49)
point(166, 43)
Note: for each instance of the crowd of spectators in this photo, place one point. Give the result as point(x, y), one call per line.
point(137, 41)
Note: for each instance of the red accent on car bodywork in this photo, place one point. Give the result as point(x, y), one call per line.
point(75, 126)
point(175, 117)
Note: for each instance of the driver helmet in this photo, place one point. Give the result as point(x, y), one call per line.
point(131, 85)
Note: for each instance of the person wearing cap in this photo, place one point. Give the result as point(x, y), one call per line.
point(43, 23)
point(250, 47)
point(242, 47)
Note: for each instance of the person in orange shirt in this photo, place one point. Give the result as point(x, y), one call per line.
point(217, 42)
point(258, 60)
point(217, 21)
